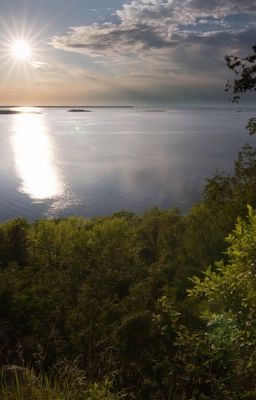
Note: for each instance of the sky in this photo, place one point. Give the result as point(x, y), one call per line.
point(116, 52)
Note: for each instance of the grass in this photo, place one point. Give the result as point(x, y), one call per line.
point(45, 388)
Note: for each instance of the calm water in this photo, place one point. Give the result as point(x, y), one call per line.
point(59, 163)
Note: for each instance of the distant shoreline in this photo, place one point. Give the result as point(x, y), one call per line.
point(70, 106)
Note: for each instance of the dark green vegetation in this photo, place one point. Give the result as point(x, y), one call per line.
point(153, 307)
point(112, 299)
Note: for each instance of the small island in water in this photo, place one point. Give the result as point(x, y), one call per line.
point(11, 112)
point(78, 110)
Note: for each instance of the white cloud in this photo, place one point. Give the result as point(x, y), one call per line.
point(150, 24)
point(158, 44)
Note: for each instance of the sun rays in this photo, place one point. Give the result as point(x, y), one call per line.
point(18, 53)
point(21, 47)
point(21, 50)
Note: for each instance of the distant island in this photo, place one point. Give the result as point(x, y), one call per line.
point(78, 110)
point(10, 112)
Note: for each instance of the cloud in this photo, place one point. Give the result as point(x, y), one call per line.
point(157, 45)
point(222, 8)
point(156, 24)
point(40, 64)
point(107, 40)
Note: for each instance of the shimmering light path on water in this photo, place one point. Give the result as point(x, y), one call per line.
point(59, 163)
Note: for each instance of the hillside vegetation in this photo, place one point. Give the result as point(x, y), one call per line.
point(157, 306)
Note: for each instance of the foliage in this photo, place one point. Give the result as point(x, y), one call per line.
point(245, 70)
point(46, 388)
point(230, 295)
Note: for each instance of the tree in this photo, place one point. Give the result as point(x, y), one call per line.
point(245, 70)
point(229, 294)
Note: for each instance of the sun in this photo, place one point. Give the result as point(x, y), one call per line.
point(21, 50)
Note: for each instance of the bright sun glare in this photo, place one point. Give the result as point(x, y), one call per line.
point(21, 50)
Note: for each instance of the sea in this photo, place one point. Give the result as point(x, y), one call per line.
point(55, 162)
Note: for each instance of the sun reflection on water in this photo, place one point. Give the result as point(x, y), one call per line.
point(34, 158)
